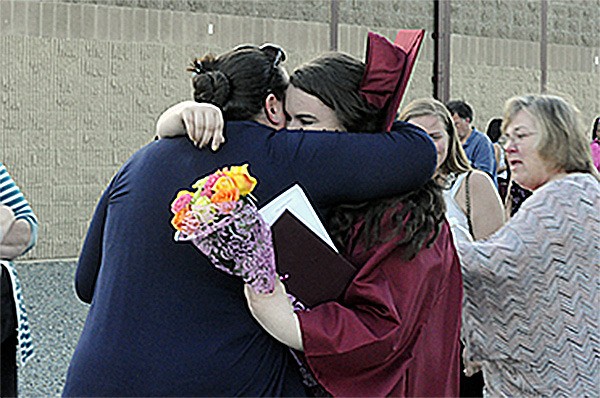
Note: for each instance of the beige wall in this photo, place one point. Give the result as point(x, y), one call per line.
point(83, 83)
point(487, 71)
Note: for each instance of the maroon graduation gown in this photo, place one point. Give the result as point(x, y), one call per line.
point(396, 330)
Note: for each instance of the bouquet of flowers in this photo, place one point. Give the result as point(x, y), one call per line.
point(221, 219)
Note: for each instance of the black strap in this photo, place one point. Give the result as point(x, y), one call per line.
point(468, 200)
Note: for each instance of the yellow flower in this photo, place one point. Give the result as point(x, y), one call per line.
point(242, 178)
point(225, 190)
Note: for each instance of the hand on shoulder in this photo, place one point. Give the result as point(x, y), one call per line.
point(202, 122)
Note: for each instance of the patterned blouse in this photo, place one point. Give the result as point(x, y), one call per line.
point(532, 295)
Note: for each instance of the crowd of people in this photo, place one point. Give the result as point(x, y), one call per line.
point(460, 289)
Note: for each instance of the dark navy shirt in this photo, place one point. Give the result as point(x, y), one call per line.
point(163, 321)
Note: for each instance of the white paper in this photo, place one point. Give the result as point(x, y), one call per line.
point(295, 201)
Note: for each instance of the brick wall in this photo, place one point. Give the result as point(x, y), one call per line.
point(573, 22)
point(84, 81)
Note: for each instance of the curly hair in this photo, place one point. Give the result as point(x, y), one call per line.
point(417, 216)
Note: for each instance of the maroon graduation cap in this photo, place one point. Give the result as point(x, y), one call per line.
point(388, 70)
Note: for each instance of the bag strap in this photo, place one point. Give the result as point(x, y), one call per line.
point(468, 200)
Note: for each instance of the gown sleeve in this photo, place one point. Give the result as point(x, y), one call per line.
point(362, 345)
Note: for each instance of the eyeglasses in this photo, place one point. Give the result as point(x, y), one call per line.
point(516, 137)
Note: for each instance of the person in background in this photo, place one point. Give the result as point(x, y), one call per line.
point(395, 330)
point(164, 321)
point(494, 133)
point(531, 319)
point(595, 144)
point(481, 211)
point(18, 234)
point(477, 146)
point(511, 193)
point(470, 196)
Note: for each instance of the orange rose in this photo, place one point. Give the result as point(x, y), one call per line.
point(225, 190)
point(226, 195)
point(178, 218)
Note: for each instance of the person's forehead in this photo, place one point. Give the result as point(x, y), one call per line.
point(521, 119)
point(300, 100)
point(430, 121)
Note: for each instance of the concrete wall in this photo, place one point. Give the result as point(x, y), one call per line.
point(83, 81)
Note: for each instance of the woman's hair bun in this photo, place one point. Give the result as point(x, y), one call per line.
point(210, 85)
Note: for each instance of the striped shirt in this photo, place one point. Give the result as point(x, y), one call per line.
point(11, 196)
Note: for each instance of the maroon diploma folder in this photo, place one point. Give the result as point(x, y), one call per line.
point(311, 270)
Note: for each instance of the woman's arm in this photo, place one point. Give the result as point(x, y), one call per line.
point(338, 167)
point(275, 314)
point(90, 258)
point(487, 211)
point(203, 122)
point(15, 234)
point(18, 223)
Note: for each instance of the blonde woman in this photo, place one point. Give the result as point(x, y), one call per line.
point(471, 197)
point(530, 313)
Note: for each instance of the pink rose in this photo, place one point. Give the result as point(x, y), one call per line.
point(210, 182)
point(181, 202)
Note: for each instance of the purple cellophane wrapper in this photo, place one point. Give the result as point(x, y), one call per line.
point(239, 243)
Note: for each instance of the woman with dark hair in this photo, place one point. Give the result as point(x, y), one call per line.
point(319, 79)
point(257, 95)
point(163, 320)
point(395, 330)
point(494, 133)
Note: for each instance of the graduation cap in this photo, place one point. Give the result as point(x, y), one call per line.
point(388, 70)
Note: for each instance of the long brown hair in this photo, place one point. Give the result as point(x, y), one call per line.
point(334, 78)
point(417, 215)
point(418, 220)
